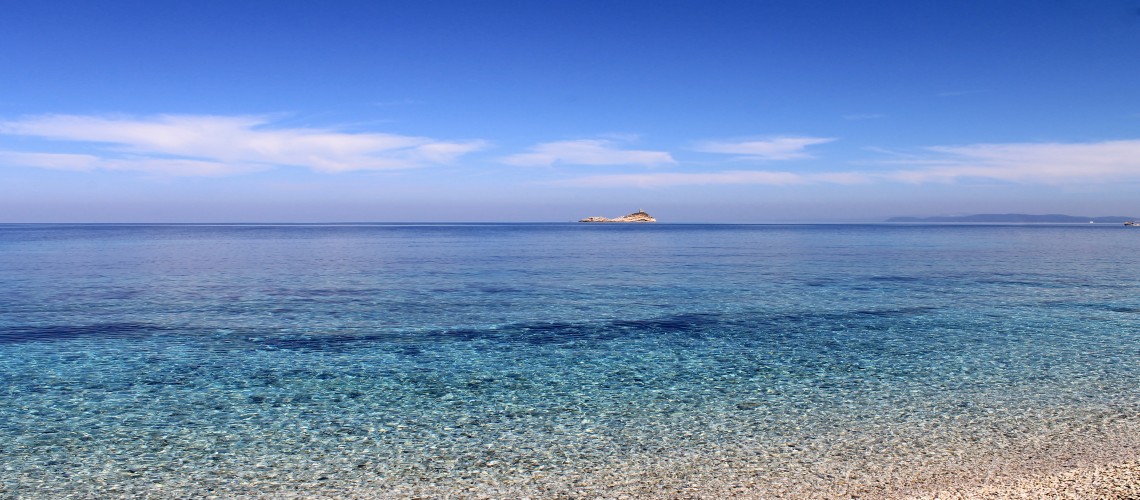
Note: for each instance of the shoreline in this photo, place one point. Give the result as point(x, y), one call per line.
point(1104, 467)
point(1097, 457)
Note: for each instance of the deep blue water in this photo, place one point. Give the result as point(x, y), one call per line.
point(227, 355)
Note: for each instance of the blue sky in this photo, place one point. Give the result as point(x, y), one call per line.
point(731, 111)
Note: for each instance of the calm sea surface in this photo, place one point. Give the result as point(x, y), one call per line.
point(151, 358)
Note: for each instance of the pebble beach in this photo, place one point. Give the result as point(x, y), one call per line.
point(1094, 456)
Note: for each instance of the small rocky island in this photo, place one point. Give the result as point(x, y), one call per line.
point(639, 216)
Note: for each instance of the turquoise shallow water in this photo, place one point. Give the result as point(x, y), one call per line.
point(227, 358)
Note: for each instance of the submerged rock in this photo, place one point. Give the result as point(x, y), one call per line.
point(639, 216)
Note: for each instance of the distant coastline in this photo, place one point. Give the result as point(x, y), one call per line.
point(1018, 218)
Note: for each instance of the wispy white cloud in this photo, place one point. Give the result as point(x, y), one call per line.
point(666, 179)
point(588, 152)
point(1030, 163)
point(159, 166)
point(51, 161)
point(218, 145)
point(1021, 163)
point(775, 148)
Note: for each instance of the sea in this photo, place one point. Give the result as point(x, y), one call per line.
point(552, 360)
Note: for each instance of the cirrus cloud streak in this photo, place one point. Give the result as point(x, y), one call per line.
point(1020, 163)
point(587, 152)
point(1031, 163)
point(218, 145)
point(776, 148)
point(666, 179)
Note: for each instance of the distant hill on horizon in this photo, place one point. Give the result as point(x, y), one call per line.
point(1019, 218)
